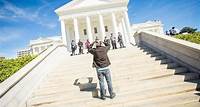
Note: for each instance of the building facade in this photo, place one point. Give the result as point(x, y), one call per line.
point(24, 52)
point(2, 58)
point(41, 44)
point(88, 19)
point(153, 26)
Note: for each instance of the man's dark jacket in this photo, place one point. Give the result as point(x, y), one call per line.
point(100, 57)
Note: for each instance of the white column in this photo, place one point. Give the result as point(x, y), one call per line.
point(128, 27)
point(89, 29)
point(68, 38)
point(122, 32)
point(76, 31)
point(63, 31)
point(125, 32)
point(114, 24)
point(102, 27)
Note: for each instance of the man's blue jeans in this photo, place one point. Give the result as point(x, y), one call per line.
point(101, 73)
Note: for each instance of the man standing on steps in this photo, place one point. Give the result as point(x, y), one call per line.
point(101, 62)
point(80, 45)
point(120, 40)
point(113, 41)
point(73, 47)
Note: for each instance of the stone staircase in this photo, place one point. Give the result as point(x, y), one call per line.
point(141, 78)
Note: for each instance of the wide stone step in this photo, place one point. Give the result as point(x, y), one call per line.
point(155, 92)
point(124, 83)
point(130, 77)
point(176, 100)
point(127, 100)
point(117, 86)
point(188, 104)
point(180, 77)
point(140, 78)
point(119, 73)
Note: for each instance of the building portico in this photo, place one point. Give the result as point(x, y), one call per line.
point(97, 22)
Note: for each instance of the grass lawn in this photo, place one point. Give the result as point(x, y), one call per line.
point(9, 66)
point(194, 37)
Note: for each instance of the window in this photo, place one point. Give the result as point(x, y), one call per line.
point(106, 28)
point(42, 48)
point(85, 31)
point(95, 30)
point(49, 45)
point(37, 50)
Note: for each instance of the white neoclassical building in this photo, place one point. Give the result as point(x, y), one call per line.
point(88, 19)
point(153, 26)
point(39, 45)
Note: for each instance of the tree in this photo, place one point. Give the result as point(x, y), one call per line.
point(188, 30)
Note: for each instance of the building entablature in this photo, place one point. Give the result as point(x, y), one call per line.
point(84, 6)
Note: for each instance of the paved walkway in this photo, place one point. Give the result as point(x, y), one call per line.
point(138, 79)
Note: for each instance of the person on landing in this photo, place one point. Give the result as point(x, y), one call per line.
point(101, 62)
point(73, 47)
point(80, 45)
point(87, 45)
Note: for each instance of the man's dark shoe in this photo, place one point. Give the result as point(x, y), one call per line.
point(103, 97)
point(113, 95)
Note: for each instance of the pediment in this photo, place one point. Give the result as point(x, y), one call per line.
point(78, 4)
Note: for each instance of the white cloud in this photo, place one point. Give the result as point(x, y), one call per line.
point(10, 11)
point(48, 24)
point(7, 35)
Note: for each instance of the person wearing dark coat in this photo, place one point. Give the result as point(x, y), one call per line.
point(80, 45)
point(101, 62)
point(120, 40)
point(73, 47)
point(87, 44)
point(113, 41)
point(107, 42)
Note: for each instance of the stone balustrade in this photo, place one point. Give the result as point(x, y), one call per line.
point(15, 90)
point(184, 52)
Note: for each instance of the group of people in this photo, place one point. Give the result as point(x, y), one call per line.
point(112, 41)
point(80, 47)
point(173, 31)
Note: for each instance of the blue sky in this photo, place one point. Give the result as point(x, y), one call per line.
point(23, 20)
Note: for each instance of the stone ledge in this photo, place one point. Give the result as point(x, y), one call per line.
point(18, 76)
point(183, 52)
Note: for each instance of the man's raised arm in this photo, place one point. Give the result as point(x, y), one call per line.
point(91, 48)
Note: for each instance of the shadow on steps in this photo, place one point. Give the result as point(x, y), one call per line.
point(85, 84)
point(179, 70)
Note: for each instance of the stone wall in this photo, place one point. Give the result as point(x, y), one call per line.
point(15, 90)
point(183, 52)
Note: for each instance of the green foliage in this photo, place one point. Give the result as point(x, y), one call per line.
point(194, 37)
point(188, 30)
point(9, 66)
